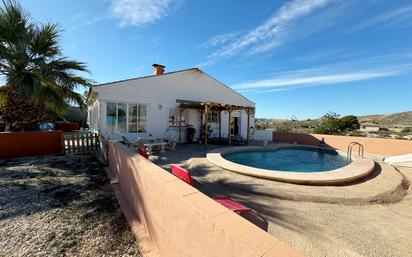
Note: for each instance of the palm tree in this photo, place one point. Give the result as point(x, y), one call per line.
point(39, 81)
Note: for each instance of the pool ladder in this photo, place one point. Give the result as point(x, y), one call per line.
point(349, 152)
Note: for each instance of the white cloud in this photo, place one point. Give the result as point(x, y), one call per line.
point(316, 77)
point(271, 33)
point(140, 12)
point(219, 39)
point(400, 17)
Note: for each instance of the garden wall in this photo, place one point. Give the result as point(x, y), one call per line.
point(22, 144)
point(68, 127)
point(177, 219)
point(381, 146)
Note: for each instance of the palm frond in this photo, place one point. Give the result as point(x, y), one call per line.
point(45, 41)
point(3, 94)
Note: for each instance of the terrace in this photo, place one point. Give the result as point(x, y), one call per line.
point(346, 220)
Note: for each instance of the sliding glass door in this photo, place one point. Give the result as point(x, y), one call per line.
point(126, 117)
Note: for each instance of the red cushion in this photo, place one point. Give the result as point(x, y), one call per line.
point(142, 152)
point(231, 204)
point(182, 174)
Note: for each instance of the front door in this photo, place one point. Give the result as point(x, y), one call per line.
point(235, 126)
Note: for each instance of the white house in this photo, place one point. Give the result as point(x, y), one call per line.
point(153, 105)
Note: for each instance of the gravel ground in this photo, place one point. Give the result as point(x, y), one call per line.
point(60, 206)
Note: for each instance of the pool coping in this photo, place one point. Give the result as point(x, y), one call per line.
point(359, 168)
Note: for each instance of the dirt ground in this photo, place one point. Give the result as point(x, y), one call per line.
point(372, 218)
point(60, 206)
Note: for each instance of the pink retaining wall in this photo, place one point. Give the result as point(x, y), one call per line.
point(381, 146)
point(179, 221)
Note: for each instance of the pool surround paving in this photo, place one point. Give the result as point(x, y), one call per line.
point(358, 169)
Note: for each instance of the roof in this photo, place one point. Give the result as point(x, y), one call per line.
point(144, 77)
point(166, 74)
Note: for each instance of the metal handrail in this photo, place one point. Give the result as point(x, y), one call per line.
point(349, 152)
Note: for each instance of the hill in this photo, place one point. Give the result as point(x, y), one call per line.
point(402, 119)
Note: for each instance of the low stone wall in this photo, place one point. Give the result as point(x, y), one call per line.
point(263, 135)
point(381, 146)
point(22, 144)
point(178, 220)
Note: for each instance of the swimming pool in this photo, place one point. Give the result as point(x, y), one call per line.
point(299, 164)
point(297, 159)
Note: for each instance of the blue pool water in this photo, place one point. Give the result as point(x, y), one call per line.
point(290, 159)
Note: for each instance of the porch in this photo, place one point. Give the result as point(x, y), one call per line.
point(212, 112)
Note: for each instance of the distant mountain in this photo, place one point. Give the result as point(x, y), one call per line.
point(402, 119)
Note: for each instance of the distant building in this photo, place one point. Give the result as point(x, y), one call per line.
point(369, 128)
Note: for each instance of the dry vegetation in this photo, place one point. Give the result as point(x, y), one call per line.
point(60, 206)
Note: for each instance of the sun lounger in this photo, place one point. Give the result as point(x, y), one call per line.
point(229, 203)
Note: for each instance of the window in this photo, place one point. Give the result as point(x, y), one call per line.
point(132, 118)
point(111, 116)
point(121, 117)
point(213, 116)
point(174, 117)
point(124, 117)
point(142, 119)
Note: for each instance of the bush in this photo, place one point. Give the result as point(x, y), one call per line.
point(407, 130)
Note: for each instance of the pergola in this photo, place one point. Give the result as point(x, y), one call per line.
point(204, 108)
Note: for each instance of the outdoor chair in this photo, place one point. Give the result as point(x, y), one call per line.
point(142, 152)
point(227, 202)
point(126, 141)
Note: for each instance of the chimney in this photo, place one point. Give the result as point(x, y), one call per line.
point(158, 69)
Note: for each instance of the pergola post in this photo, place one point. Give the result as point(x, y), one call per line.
point(248, 123)
point(220, 124)
point(206, 117)
point(230, 125)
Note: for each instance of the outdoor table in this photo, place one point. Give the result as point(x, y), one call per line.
point(149, 146)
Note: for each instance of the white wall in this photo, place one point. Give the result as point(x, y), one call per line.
point(93, 115)
point(159, 93)
point(263, 135)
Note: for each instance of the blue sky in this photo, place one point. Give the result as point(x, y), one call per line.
point(298, 57)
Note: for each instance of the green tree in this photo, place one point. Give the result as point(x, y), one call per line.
point(329, 124)
point(332, 124)
point(348, 123)
point(39, 81)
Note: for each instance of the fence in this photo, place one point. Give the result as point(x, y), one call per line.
point(78, 142)
point(381, 146)
point(23, 144)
